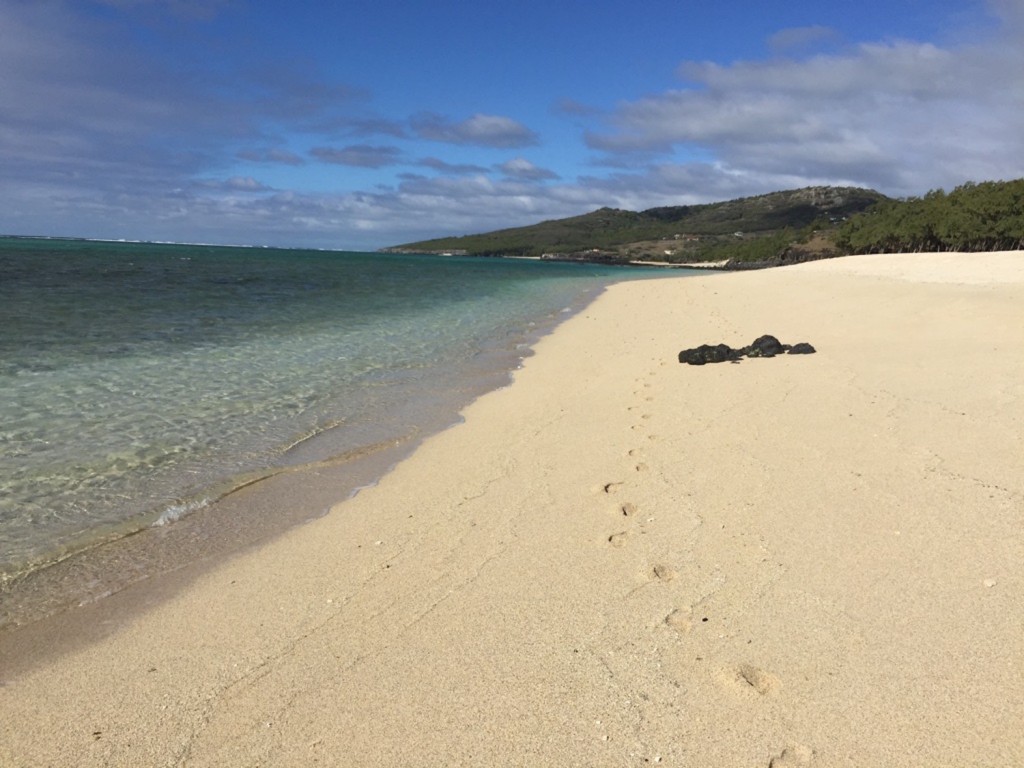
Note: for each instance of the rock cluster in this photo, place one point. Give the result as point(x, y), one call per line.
point(763, 346)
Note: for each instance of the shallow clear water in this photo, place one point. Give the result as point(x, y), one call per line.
point(138, 381)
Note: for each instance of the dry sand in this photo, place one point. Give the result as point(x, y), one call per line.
point(619, 560)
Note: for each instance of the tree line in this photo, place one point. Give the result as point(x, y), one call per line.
point(986, 216)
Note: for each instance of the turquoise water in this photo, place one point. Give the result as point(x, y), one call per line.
point(139, 382)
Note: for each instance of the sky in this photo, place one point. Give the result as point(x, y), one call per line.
point(361, 124)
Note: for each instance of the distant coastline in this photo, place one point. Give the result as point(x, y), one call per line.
point(128, 241)
point(774, 229)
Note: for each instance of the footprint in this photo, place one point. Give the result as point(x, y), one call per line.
point(664, 572)
point(679, 620)
point(628, 509)
point(793, 755)
point(612, 487)
point(761, 681)
point(641, 467)
point(618, 539)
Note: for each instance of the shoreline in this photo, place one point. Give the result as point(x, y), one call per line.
point(228, 521)
point(620, 559)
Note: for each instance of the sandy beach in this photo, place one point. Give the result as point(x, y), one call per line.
point(620, 560)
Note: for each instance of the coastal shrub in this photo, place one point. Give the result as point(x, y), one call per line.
point(973, 217)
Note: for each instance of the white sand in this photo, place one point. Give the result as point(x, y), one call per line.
point(620, 560)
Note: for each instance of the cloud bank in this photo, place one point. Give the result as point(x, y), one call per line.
point(100, 138)
point(901, 117)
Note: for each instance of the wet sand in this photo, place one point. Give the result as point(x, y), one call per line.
point(621, 560)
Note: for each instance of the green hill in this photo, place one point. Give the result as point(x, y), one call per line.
point(747, 229)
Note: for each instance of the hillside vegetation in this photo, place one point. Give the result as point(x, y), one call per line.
point(781, 227)
point(747, 228)
point(973, 217)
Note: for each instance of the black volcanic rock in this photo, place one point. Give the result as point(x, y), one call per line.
point(803, 348)
point(763, 346)
point(708, 353)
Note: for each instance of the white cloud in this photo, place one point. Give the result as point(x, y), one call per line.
point(238, 184)
point(81, 104)
point(457, 169)
point(522, 169)
point(479, 130)
point(1011, 12)
point(902, 117)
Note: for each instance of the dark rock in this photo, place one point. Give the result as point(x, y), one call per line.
point(707, 353)
point(803, 348)
point(763, 346)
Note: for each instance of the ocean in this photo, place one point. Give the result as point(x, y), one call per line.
point(141, 383)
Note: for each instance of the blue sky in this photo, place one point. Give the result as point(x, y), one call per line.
point(362, 124)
